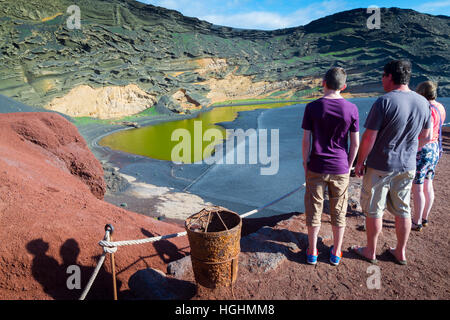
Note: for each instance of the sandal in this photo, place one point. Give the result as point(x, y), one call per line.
point(358, 251)
point(424, 222)
point(416, 227)
point(401, 262)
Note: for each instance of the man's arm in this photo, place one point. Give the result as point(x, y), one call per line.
point(425, 136)
point(354, 145)
point(306, 147)
point(367, 142)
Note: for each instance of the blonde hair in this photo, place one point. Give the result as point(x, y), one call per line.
point(427, 89)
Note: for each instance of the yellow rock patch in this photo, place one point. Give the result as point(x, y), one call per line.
point(234, 87)
point(104, 103)
point(52, 17)
point(210, 64)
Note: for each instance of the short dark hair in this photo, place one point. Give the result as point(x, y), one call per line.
point(400, 70)
point(335, 78)
point(427, 89)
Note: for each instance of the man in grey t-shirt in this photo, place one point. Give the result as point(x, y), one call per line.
point(390, 144)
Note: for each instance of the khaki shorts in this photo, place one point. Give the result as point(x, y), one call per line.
point(391, 190)
point(337, 190)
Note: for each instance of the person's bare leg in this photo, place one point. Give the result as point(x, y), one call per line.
point(402, 230)
point(313, 233)
point(429, 198)
point(338, 237)
point(373, 230)
point(419, 202)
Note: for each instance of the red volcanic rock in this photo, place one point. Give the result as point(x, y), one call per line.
point(65, 145)
point(52, 215)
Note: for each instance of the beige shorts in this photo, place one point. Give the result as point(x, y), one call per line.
point(337, 190)
point(386, 190)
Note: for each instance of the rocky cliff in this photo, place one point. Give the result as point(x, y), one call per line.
point(189, 63)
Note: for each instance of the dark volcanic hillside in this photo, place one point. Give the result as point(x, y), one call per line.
point(187, 63)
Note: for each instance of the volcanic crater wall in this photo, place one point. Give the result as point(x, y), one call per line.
point(161, 52)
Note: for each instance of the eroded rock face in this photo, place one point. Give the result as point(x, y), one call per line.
point(234, 87)
point(185, 101)
point(57, 137)
point(124, 42)
point(52, 215)
point(104, 102)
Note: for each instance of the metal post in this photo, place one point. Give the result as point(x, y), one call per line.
point(113, 267)
point(110, 228)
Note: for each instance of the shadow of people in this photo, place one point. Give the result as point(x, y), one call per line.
point(45, 269)
point(54, 276)
point(166, 250)
point(69, 252)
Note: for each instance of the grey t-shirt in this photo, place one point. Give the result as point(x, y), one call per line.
point(399, 116)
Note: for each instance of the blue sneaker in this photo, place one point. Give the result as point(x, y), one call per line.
point(334, 260)
point(310, 258)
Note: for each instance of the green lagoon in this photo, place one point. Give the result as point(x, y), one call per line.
point(155, 141)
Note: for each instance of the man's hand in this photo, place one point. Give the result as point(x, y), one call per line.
point(306, 148)
point(367, 142)
point(359, 169)
point(354, 145)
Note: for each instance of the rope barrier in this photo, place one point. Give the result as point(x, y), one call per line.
point(97, 268)
point(111, 246)
point(273, 202)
